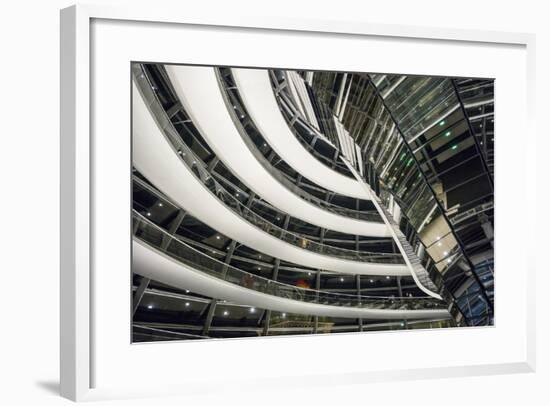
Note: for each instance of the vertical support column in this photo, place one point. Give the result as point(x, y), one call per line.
point(166, 239)
point(317, 287)
point(139, 294)
point(274, 276)
point(358, 285)
point(228, 257)
point(399, 289)
point(209, 317)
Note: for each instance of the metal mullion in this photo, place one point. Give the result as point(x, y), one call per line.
point(443, 212)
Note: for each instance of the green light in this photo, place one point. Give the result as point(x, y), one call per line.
point(454, 146)
point(402, 156)
point(447, 133)
point(442, 122)
point(409, 161)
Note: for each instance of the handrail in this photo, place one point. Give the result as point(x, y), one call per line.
point(284, 105)
point(232, 99)
point(161, 196)
point(153, 235)
point(384, 215)
point(195, 164)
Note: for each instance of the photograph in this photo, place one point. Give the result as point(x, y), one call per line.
point(271, 201)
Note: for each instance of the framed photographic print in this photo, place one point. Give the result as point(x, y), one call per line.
point(238, 193)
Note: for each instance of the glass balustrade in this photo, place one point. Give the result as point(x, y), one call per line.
point(201, 172)
point(265, 155)
point(156, 237)
point(304, 131)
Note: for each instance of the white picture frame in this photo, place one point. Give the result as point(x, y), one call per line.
point(77, 221)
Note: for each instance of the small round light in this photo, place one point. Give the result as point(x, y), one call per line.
point(148, 214)
point(388, 277)
point(160, 205)
point(187, 304)
point(252, 310)
point(218, 237)
point(186, 290)
point(283, 315)
point(341, 279)
point(449, 261)
point(150, 306)
point(225, 313)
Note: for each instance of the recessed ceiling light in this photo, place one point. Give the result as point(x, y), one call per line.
point(148, 214)
point(187, 304)
point(225, 313)
point(160, 204)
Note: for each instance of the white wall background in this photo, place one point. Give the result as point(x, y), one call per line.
point(29, 203)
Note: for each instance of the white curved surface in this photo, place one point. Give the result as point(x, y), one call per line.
point(155, 158)
point(254, 85)
point(155, 265)
point(199, 92)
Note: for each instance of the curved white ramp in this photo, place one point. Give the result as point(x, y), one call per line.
point(257, 94)
point(155, 265)
point(199, 92)
point(156, 159)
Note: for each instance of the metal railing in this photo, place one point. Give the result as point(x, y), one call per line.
point(199, 169)
point(234, 103)
point(155, 236)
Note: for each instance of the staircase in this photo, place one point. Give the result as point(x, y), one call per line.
point(417, 267)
